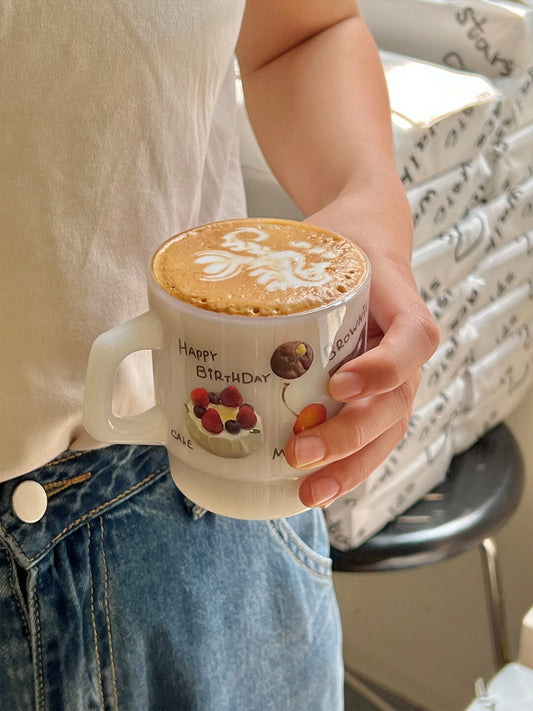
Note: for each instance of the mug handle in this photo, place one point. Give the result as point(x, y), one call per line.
point(110, 348)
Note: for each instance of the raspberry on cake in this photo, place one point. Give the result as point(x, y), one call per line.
point(200, 396)
point(246, 417)
point(211, 421)
point(231, 397)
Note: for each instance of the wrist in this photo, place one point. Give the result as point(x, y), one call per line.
point(375, 214)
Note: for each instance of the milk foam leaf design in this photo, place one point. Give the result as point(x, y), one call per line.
point(286, 269)
point(232, 241)
point(220, 265)
point(283, 269)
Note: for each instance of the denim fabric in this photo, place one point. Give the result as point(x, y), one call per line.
point(119, 598)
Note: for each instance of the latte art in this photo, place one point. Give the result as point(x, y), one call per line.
point(259, 267)
point(275, 269)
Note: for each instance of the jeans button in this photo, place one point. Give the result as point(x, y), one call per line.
point(29, 501)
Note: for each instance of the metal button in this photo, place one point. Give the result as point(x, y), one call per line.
point(29, 501)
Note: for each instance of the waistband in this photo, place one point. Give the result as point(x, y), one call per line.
point(79, 486)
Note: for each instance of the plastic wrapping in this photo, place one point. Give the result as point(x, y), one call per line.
point(440, 125)
point(426, 425)
point(501, 319)
point(452, 308)
point(511, 160)
point(504, 269)
point(510, 690)
point(496, 385)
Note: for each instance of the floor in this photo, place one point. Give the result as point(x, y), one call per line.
point(355, 702)
point(362, 694)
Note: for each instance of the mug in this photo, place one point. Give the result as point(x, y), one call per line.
point(229, 390)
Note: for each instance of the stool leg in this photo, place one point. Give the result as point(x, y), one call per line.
point(494, 596)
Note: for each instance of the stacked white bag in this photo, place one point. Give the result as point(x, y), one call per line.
point(489, 37)
point(468, 173)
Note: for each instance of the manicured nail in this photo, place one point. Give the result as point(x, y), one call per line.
point(344, 385)
point(323, 489)
point(309, 450)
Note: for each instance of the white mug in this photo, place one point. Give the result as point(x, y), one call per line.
point(202, 358)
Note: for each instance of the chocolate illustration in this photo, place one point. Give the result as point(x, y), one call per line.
point(291, 359)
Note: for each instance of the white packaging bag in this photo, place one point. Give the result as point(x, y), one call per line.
point(502, 318)
point(450, 257)
point(355, 517)
point(505, 268)
point(504, 368)
point(447, 259)
point(496, 386)
point(511, 160)
point(439, 116)
point(426, 424)
point(441, 201)
point(489, 37)
point(448, 362)
point(441, 264)
point(517, 100)
point(452, 307)
point(510, 214)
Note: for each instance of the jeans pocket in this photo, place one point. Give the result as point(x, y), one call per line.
point(305, 538)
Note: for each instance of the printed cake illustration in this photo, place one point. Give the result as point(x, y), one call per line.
point(222, 423)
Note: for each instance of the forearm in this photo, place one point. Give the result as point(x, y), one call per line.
point(321, 114)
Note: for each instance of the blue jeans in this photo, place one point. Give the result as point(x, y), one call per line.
point(119, 598)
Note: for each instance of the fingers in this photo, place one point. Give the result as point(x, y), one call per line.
point(410, 337)
point(406, 346)
point(323, 487)
point(377, 388)
point(351, 444)
point(358, 423)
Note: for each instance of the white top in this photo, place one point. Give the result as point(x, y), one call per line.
point(118, 130)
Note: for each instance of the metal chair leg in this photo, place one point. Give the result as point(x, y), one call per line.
point(494, 597)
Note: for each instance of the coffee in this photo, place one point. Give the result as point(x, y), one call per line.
point(259, 267)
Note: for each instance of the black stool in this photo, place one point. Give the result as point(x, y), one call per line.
point(481, 491)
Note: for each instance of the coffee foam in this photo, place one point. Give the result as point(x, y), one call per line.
point(259, 267)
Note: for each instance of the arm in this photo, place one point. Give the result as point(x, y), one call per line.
point(317, 99)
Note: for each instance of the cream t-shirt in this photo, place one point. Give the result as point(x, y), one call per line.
point(118, 129)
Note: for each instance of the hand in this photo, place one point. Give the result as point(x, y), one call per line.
point(378, 387)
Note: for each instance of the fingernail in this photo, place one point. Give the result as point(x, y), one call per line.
point(308, 450)
point(344, 385)
point(323, 489)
